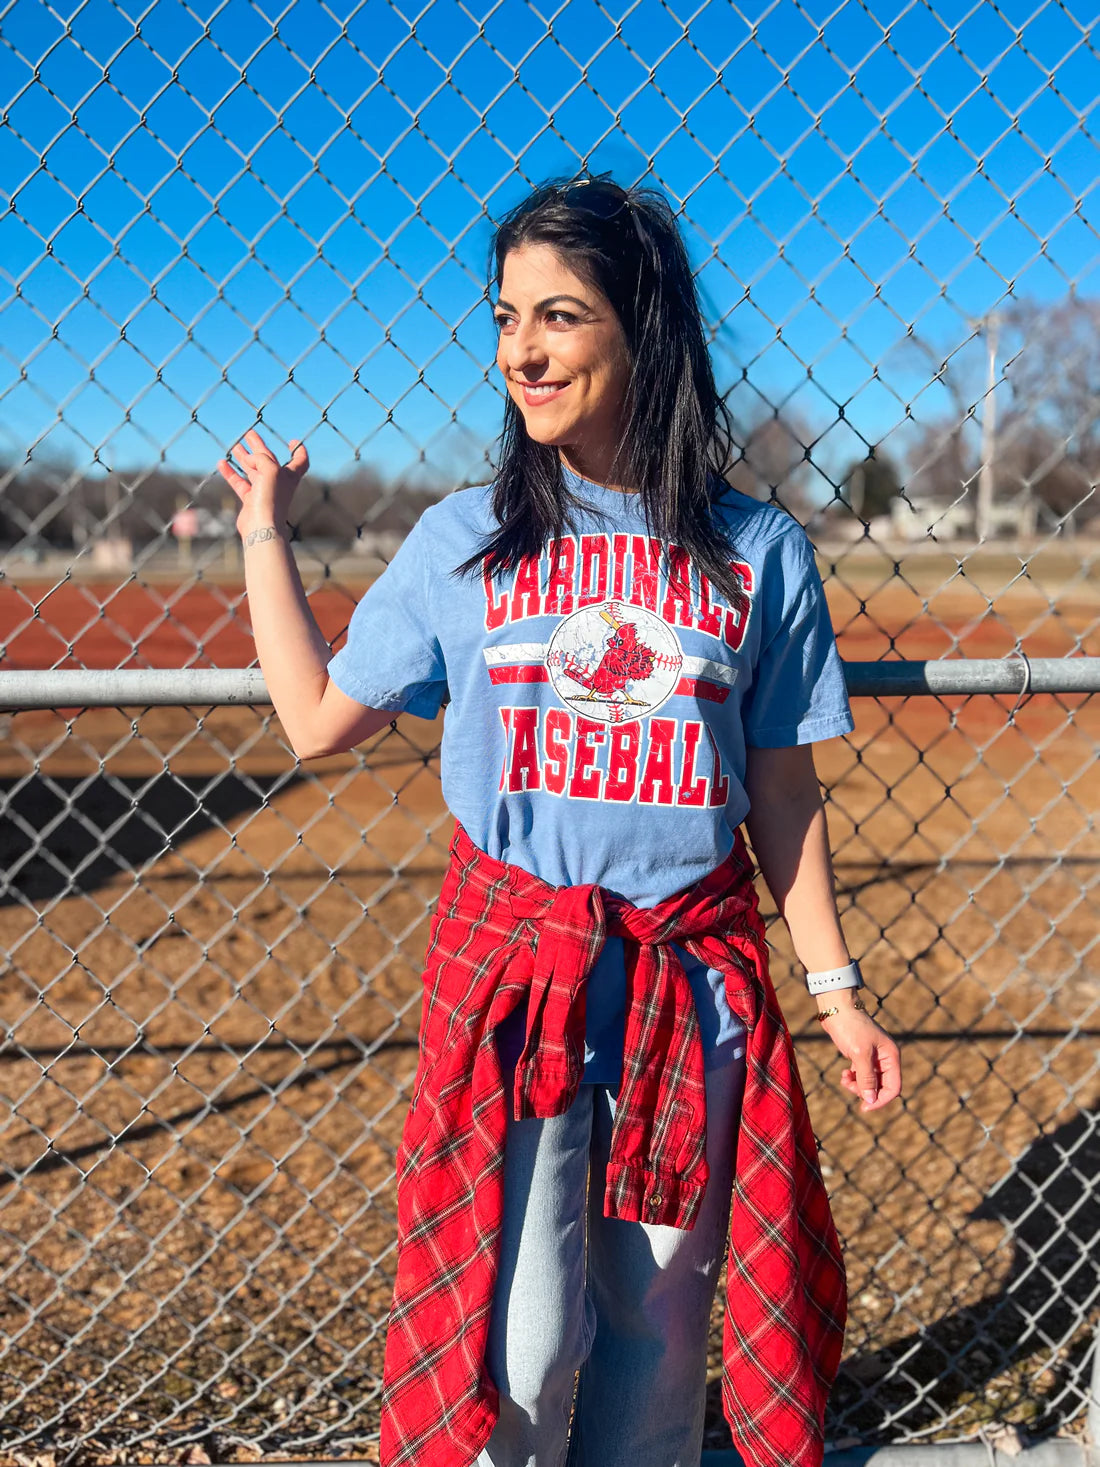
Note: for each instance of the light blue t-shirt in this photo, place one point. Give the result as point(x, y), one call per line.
point(599, 709)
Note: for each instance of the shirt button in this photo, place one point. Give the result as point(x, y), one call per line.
point(656, 1199)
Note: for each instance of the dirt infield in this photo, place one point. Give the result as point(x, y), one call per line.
point(211, 1012)
point(928, 605)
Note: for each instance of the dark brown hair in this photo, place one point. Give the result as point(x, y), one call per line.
point(676, 437)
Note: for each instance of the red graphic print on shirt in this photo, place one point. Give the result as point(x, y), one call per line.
point(615, 662)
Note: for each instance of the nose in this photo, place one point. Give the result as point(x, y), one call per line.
point(523, 351)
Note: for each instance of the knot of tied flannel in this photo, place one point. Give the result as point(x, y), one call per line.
point(500, 934)
point(658, 1168)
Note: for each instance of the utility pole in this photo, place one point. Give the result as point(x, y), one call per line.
point(983, 509)
point(856, 491)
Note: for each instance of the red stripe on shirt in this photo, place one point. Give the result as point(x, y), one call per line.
point(688, 687)
point(533, 672)
point(697, 687)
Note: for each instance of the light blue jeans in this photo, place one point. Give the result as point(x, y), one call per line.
point(626, 1304)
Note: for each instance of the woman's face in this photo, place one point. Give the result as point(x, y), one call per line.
point(564, 357)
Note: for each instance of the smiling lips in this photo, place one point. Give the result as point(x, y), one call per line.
point(536, 393)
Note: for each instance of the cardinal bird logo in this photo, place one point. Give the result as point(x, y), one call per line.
point(614, 662)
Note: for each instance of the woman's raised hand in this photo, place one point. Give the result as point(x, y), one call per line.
point(266, 493)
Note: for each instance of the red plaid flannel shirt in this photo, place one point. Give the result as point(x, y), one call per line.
point(498, 933)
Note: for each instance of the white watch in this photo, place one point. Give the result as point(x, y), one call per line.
point(847, 977)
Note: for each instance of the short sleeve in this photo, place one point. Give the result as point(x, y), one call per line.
point(798, 693)
point(392, 658)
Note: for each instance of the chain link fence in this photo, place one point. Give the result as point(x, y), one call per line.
point(211, 988)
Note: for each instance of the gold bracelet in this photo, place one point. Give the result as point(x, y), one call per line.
point(828, 1013)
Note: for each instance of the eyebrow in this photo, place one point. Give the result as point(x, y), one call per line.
point(542, 305)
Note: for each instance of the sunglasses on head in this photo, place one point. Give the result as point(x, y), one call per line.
point(598, 195)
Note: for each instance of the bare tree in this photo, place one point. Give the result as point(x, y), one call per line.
point(1034, 468)
point(1044, 449)
point(1053, 374)
point(774, 463)
point(941, 467)
point(50, 503)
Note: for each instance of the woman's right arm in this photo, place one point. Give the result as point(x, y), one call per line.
point(317, 717)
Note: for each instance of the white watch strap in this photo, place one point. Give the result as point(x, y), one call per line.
point(846, 977)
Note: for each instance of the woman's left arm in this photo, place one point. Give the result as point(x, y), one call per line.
point(789, 835)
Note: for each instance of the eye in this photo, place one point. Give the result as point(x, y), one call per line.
point(566, 316)
point(502, 320)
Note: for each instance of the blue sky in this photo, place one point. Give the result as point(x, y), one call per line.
point(221, 212)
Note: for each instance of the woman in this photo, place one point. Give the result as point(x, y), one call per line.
point(637, 659)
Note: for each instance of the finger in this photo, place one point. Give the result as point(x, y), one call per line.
point(243, 454)
point(889, 1063)
point(239, 486)
point(257, 444)
point(866, 1078)
point(298, 463)
point(885, 1093)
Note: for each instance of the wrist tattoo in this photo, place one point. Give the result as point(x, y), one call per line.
point(266, 532)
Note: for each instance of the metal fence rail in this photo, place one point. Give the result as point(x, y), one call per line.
point(230, 687)
point(208, 1015)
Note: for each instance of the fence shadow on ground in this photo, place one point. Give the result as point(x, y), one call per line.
point(1022, 1348)
point(64, 834)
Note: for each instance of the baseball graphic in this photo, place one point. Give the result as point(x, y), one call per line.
point(614, 662)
